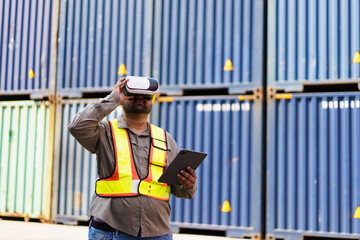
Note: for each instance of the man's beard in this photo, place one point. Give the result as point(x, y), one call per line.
point(131, 106)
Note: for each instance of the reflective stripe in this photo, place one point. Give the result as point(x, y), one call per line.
point(158, 156)
point(155, 190)
point(159, 144)
point(135, 186)
point(114, 187)
point(125, 180)
point(158, 137)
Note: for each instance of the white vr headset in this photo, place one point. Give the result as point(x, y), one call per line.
point(141, 86)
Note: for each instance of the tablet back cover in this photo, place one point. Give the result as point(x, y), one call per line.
point(182, 160)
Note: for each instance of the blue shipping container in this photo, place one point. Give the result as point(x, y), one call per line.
point(28, 47)
point(229, 130)
point(75, 167)
point(313, 42)
point(313, 165)
point(101, 41)
point(208, 44)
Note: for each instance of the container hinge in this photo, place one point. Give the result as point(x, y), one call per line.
point(270, 237)
point(256, 236)
point(271, 92)
point(52, 98)
point(59, 99)
point(259, 93)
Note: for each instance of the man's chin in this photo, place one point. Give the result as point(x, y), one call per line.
point(139, 110)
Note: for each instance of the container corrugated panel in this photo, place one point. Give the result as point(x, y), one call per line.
point(25, 159)
point(229, 131)
point(197, 43)
point(75, 167)
point(314, 165)
point(26, 47)
point(313, 42)
point(99, 40)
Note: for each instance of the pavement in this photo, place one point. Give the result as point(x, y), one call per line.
point(19, 230)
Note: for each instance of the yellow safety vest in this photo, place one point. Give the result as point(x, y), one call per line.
point(125, 180)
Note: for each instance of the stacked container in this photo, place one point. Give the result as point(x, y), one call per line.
point(213, 47)
point(313, 162)
point(213, 51)
point(99, 42)
point(204, 54)
point(186, 45)
point(27, 71)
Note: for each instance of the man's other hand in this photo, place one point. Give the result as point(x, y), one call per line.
point(187, 179)
point(118, 89)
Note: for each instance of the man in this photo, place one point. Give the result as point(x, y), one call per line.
point(128, 202)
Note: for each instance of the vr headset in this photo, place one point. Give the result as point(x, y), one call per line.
point(146, 87)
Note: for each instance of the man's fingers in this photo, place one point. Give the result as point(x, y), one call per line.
point(187, 179)
point(121, 80)
point(118, 88)
point(192, 172)
point(188, 176)
point(191, 175)
point(184, 181)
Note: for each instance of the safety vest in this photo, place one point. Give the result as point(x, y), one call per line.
point(125, 180)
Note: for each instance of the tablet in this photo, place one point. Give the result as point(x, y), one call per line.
point(182, 160)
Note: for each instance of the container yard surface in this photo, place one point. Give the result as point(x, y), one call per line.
point(17, 230)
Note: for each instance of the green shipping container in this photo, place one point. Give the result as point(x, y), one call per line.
point(26, 158)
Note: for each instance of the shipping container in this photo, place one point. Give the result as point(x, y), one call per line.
point(28, 32)
point(100, 42)
point(26, 142)
point(229, 130)
point(313, 166)
point(75, 168)
point(313, 42)
point(208, 44)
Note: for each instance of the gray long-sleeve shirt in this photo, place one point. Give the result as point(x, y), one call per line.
point(126, 214)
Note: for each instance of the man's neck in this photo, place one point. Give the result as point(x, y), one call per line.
point(136, 122)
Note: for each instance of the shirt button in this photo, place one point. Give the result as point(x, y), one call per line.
point(149, 191)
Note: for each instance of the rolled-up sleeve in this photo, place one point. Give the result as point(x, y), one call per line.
point(180, 192)
point(87, 126)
